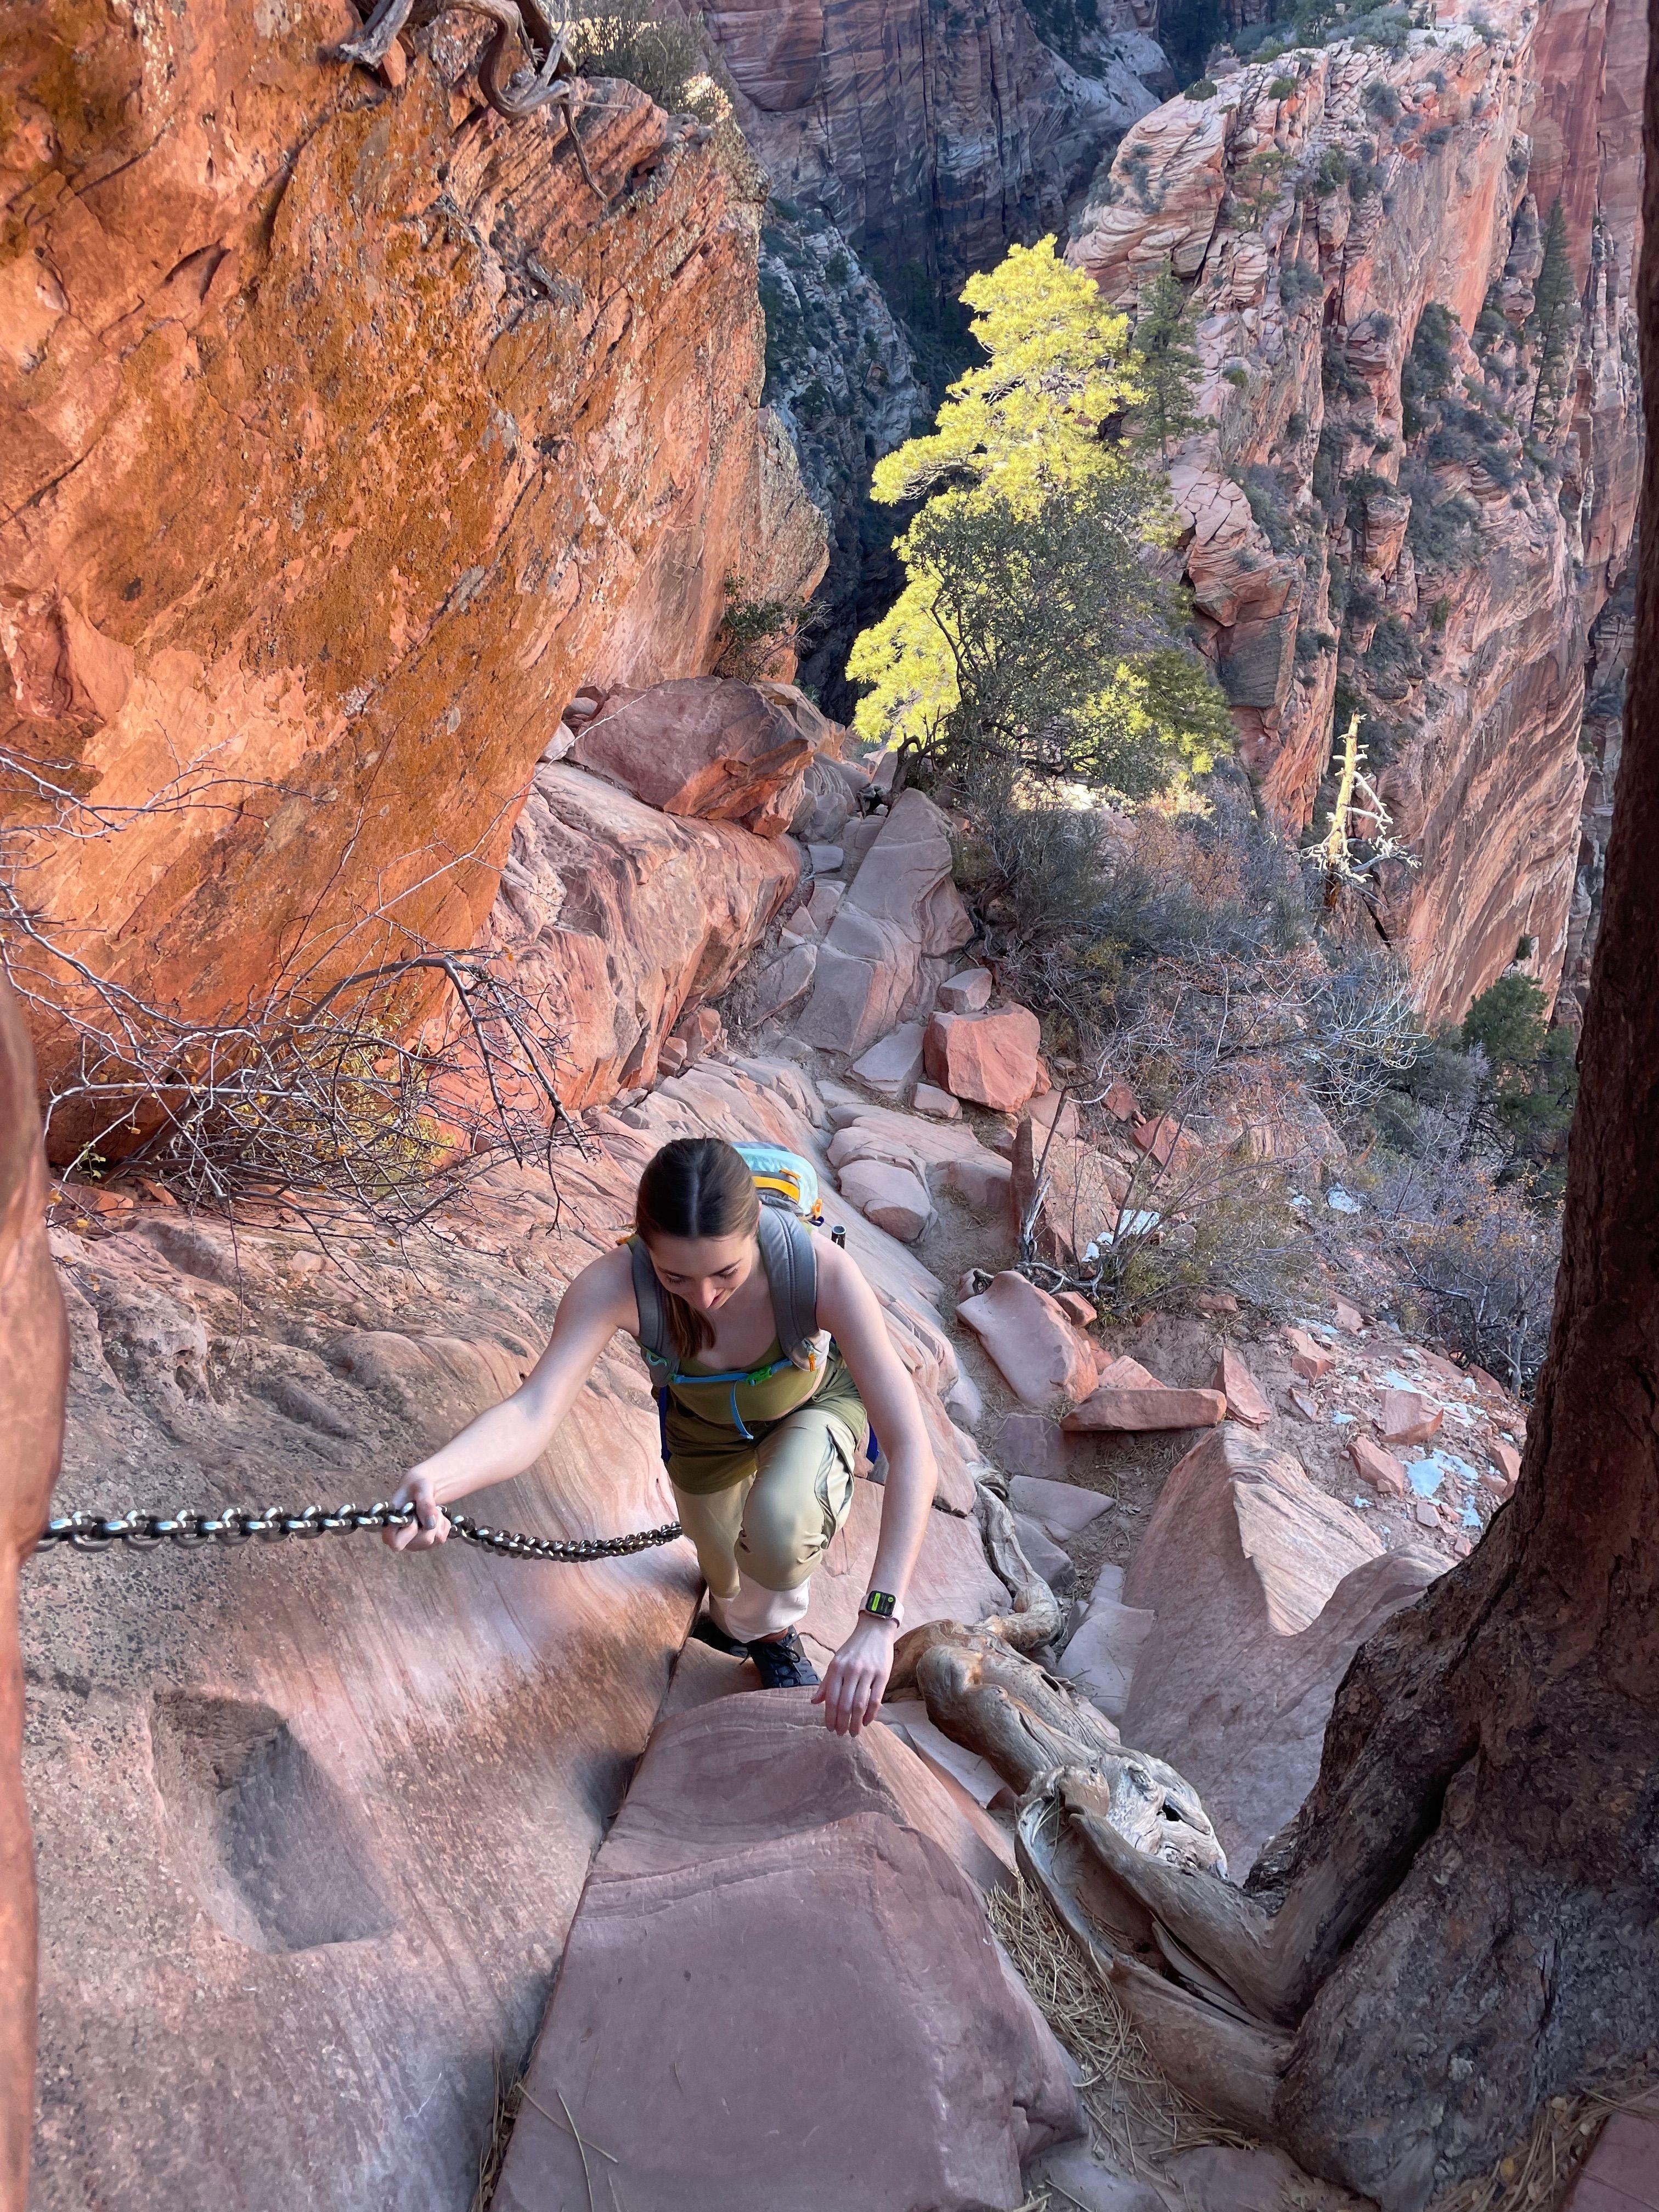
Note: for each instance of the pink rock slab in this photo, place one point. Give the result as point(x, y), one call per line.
point(777, 1990)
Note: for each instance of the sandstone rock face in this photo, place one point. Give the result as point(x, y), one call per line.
point(1044, 1360)
point(1101, 1653)
point(617, 916)
point(924, 146)
point(1325, 539)
point(270, 1762)
point(1128, 1410)
point(33, 1368)
point(1263, 1588)
point(894, 1198)
point(884, 955)
point(703, 746)
point(344, 437)
point(764, 1872)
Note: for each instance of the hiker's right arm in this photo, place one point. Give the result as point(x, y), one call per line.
point(513, 1435)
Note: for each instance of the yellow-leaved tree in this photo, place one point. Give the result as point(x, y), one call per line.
point(1034, 632)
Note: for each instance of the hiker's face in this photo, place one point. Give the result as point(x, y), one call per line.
point(704, 1271)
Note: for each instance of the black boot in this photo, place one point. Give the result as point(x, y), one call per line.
point(781, 1664)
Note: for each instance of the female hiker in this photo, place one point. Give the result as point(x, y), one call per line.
point(770, 1345)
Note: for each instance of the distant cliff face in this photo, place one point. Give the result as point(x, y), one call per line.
point(343, 434)
point(929, 131)
point(907, 142)
point(1387, 513)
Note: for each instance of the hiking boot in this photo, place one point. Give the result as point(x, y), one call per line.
point(708, 1630)
point(781, 1664)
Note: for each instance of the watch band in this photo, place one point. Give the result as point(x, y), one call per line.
point(882, 1605)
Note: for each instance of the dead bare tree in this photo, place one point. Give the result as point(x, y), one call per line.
point(347, 1089)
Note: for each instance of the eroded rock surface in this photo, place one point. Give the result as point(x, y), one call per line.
point(1263, 1588)
point(766, 1875)
point(345, 434)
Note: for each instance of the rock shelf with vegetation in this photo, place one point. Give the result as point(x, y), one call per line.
point(423, 793)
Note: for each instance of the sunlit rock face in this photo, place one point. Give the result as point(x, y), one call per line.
point(1434, 567)
point(343, 433)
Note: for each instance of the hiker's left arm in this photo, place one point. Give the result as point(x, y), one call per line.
point(851, 1692)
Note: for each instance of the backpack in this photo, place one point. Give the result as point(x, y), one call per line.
point(790, 1210)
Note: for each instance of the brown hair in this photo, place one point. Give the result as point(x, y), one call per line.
point(695, 1186)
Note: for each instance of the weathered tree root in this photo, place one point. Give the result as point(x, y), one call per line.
point(1122, 1849)
point(1038, 1615)
point(551, 80)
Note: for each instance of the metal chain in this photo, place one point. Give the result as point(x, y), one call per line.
point(235, 1524)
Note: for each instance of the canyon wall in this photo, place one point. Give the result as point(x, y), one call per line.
point(345, 432)
point(1384, 513)
point(906, 146)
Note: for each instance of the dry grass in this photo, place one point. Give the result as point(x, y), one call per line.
point(1137, 2117)
point(1533, 2177)
point(509, 2094)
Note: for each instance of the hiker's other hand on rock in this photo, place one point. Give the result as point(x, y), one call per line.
point(856, 1678)
point(430, 1527)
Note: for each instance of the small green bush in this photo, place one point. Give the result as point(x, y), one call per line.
point(1203, 87)
point(1283, 87)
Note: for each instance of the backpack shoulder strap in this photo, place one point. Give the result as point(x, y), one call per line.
point(791, 1272)
point(653, 1315)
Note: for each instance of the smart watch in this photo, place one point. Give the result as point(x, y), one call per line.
point(883, 1606)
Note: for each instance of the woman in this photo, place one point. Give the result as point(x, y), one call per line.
point(761, 1434)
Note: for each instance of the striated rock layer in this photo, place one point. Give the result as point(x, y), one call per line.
point(1432, 562)
point(342, 434)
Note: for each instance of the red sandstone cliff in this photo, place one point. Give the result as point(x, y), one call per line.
point(1435, 567)
point(343, 432)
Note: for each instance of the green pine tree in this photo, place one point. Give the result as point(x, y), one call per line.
point(1166, 364)
point(1553, 326)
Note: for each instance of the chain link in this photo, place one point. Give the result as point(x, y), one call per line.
point(238, 1524)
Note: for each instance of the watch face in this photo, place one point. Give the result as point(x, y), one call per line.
point(880, 1601)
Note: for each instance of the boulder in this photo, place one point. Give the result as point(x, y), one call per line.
point(1126, 1374)
point(826, 860)
point(891, 1067)
point(989, 1060)
point(1101, 1653)
point(701, 745)
point(781, 983)
point(1246, 1400)
point(1032, 1445)
point(1349, 1316)
point(1082, 1191)
point(1263, 1588)
point(825, 904)
point(748, 1825)
point(1309, 1359)
point(894, 1198)
point(1053, 1109)
point(937, 1104)
point(1111, 1407)
point(983, 1182)
point(864, 1140)
point(1406, 1418)
point(1380, 1469)
point(1041, 1357)
point(1121, 1102)
point(885, 953)
point(967, 992)
point(1076, 1308)
point(1063, 1509)
point(1044, 1555)
point(1165, 1141)
point(1509, 1462)
point(666, 908)
point(700, 1031)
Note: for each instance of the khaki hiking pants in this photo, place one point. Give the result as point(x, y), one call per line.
point(760, 1536)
